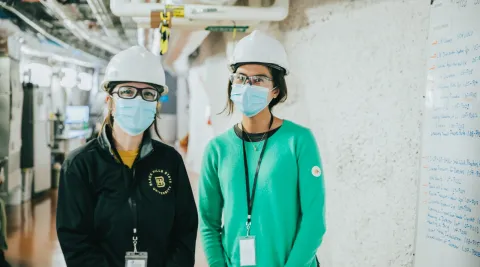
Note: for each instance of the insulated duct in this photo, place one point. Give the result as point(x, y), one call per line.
point(196, 16)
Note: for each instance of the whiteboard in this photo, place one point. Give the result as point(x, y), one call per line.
point(448, 221)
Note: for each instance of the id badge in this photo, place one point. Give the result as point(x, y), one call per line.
point(247, 251)
point(138, 259)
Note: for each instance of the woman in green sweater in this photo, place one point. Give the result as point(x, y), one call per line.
point(264, 176)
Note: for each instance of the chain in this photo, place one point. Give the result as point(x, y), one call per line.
point(165, 25)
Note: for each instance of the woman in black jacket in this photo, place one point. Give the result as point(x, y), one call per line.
point(125, 199)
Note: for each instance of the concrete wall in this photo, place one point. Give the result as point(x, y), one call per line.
point(358, 80)
point(363, 81)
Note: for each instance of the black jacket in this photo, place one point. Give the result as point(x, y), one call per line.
point(95, 220)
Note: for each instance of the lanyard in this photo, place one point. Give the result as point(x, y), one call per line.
point(133, 207)
point(251, 198)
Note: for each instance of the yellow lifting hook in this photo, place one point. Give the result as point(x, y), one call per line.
point(165, 25)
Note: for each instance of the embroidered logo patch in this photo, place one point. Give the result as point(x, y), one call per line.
point(160, 181)
point(316, 171)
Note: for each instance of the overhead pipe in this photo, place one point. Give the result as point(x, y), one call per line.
point(106, 22)
point(103, 11)
point(43, 31)
point(42, 54)
point(187, 24)
point(114, 21)
point(144, 34)
point(276, 12)
point(78, 31)
point(99, 17)
point(35, 26)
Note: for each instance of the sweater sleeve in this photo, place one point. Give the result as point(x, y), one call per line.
point(210, 208)
point(312, 203)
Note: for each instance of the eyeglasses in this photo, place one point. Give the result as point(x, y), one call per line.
point(130, 92)
point(259, 80)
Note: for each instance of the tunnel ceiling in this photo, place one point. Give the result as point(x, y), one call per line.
point(80, 13)
point(93, 17)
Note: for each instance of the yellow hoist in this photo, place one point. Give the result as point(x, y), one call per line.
point(178, 11)
point(165, 26)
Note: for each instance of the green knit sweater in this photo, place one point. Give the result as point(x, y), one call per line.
point(288, 218)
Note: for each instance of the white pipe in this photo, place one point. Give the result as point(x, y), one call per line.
point(155, 45)
point(106, 17)
point(99, 17)
point(75, 29)
point(104, 11)
point(43, 32)
point(42, 54)
point(141, 37)
point(277, 12)
point(35, 26)
point(186, 24)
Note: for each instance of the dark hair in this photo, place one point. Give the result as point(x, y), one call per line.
point(109, 118)
point(279, 84)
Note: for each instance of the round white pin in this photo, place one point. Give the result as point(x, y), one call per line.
point(316, 171)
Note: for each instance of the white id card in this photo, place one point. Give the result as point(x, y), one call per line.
point(138, 259)
point(247, 251)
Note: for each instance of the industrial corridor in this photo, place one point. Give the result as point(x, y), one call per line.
point(239, 133)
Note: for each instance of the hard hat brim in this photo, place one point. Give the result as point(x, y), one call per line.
point(109, 85)
point(233, 67)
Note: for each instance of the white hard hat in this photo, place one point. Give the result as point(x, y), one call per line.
point(135, 64)
point(258, 47)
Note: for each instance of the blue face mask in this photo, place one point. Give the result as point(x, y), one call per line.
point(249, 99)
point(134, 116)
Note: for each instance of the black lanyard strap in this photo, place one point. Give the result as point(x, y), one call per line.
point(251, 198)
point(133, 208)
